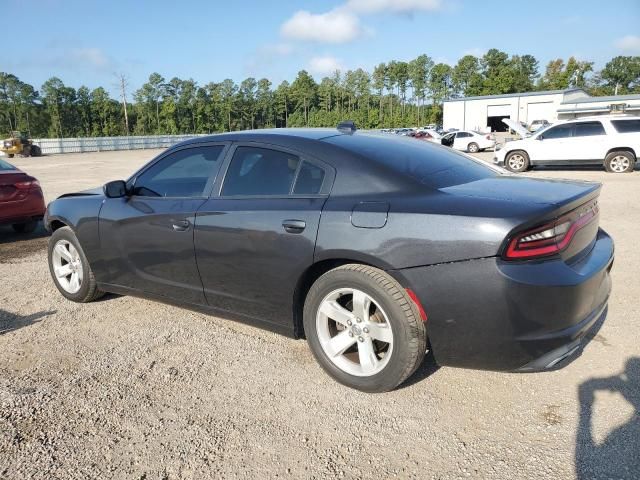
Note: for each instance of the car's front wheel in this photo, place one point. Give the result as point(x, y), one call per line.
point(517, 161)
point(363, 328)
point(70, 268)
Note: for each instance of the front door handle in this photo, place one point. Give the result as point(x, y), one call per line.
point(181, 226)
point(294, 226)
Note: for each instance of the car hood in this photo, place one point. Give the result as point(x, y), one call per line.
point(83, 193)
point(515, 126)
point(524, 190)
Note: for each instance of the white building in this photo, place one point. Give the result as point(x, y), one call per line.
point(480, 113)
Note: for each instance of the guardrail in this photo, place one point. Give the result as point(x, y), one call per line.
point(105, 144)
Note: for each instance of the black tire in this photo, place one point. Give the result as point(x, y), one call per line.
point(35, 151)
point(25, 227)
point(473, 147)
point(517, 161)
point(613, 164)
point(409, 331)
point(88, 290)
point(10, 155)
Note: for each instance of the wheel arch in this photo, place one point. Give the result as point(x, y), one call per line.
point(621, 149)
point(308, 278)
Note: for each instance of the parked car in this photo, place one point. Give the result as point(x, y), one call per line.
point(354, 241)
point(468, 141)
point(609, 140)
point(21, 199)
point(538, 124)
point(404, 131)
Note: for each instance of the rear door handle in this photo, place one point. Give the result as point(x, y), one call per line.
point(294, 226)
point(181, 226)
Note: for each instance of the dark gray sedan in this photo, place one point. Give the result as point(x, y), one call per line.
point(375, 248)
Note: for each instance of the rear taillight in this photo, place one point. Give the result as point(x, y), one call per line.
point(488, 137)
point(553, 237)
point(26, 185)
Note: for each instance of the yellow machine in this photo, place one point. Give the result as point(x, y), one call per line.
point(20, 144)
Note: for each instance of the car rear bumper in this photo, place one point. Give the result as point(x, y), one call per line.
point(515, 316)
point(18, 211)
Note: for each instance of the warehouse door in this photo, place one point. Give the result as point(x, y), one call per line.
point(495, 114)
point(539, 111)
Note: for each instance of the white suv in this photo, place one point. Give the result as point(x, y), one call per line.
point(611, 140)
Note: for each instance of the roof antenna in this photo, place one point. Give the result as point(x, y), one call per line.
point(348, 126)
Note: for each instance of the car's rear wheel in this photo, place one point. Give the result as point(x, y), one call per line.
point(363, 328)
point(70, 269)
point(619, 162)
point(473, 147)
point(517, 161)
point(25, 227)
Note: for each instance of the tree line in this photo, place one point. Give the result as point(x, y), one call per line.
point(395, 93)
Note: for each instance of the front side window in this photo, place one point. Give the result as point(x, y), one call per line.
point(184, 173)
point(561, 131)
point(260, 171)
point(587, 129)
point(626, 126)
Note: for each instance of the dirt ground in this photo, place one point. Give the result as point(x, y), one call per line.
point(130, 388)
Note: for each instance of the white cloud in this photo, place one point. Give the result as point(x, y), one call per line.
point(94, 57)
point(324, 65)
point(394, 6)
point(335, 26)
point(629, 43)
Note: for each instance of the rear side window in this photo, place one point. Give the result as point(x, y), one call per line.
point(463, 135)
point(561, 131)
point(6, 166)
point(184, 173)
point(587, 129)
point(626, 126)
point(310, 179)
point(430, 165)
point(260, 171)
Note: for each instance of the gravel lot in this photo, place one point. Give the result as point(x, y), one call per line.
point(129, 388)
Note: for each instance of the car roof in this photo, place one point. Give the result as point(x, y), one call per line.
point(280, 133)
point(598, 117)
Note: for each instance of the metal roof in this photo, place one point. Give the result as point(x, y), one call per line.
point(524, 94)
point(609, 99)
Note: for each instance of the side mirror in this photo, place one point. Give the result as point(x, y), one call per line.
point(540, 137)
point(115, 189)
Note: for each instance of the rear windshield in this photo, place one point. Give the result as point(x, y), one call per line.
point(626, 126)
point(6, 166)
point(431, 165)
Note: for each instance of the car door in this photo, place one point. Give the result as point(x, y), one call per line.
point(255, 239)
point(588, 143)
point(461, 140)
point(552, 145)
point(147, 237)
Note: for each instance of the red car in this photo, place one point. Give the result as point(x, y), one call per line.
point(21, 199)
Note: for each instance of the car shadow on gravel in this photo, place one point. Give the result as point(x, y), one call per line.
point(12, 321)
point(14, 246)
point(618, 454)
point(427, 368)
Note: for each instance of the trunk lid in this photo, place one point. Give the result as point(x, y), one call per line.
point(558, 201)
point(8, 179)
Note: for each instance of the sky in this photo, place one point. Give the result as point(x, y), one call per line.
point(88, 42)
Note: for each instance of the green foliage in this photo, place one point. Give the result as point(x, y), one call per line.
point(394, 94)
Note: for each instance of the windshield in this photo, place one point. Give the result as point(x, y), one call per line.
point(6, 165)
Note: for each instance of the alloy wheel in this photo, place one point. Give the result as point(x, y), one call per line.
point(516, 162)
point(67, 266)
point(619, 163)
point(354, 332)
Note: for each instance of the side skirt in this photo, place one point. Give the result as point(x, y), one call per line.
point(287, 331)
